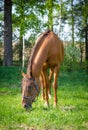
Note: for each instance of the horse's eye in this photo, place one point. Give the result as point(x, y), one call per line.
point(29, 88)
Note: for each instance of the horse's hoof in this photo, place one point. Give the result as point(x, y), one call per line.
point(55, 105)
point(46, 105)
point(49, 96)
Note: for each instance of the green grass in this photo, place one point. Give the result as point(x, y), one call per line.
point(71, 112)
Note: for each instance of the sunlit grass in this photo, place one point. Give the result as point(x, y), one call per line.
point(71, 112)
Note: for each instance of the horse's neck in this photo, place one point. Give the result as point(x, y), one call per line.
point(37, 58)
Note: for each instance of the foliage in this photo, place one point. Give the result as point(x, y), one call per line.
point(26, 16)
point(70, 114)
point(30, 18)
point(72, 56)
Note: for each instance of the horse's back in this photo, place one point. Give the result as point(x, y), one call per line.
point(47, 52)
point(56, 50)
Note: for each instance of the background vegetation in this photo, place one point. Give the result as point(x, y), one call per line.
point(22, 22)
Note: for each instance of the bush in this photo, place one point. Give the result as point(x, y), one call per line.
point(71, 57)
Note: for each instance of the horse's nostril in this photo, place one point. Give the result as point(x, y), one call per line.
point(25, 106)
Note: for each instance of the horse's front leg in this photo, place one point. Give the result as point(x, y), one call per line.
point(46, 87)
point(55, 84)
point(42, 80)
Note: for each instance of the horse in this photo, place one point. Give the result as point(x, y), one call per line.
point(48, 52)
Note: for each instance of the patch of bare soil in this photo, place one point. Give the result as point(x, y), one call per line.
point(25, 127)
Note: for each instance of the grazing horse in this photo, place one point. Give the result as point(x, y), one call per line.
point(48, 52)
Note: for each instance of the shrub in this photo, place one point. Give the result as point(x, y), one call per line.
point(71, 57)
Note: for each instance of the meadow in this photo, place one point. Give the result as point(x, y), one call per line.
point(71, 112)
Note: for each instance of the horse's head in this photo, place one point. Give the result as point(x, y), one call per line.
point(29, 91)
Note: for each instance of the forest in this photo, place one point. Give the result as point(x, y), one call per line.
point(21, 23)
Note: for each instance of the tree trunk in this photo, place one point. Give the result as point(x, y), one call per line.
point(7, 32)
point(60, 19)
point(50, 15)
point(72, 22)
point(86, 30)
point(23, 57)
point(20, 49)
point(86, 41)
point(81, 53)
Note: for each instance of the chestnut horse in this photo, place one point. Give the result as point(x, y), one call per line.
point(47, 53)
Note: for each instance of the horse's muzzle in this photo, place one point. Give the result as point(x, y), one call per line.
point(27, 106)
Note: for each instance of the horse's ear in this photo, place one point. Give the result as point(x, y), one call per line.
point(23, 74)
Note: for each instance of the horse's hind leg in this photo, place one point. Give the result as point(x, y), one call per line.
point(50, 80)
point(55, 84)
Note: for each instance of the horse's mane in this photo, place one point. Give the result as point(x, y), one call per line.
point(36, 47)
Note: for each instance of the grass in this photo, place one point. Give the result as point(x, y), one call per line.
point(71, 112)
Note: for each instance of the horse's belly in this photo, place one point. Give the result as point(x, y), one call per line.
point(52, 62)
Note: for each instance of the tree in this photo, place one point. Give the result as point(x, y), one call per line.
point(85, 14)
point(81, 16)
point(7, 33)
point(54, 12)
point(1, 19)
point(72, 13)
point(25, 17)
point(49, 6)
